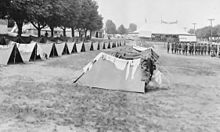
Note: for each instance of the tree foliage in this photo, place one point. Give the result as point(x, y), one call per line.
point(110, 27)
point(80, 14)
point(122, 29)
point(132, 27)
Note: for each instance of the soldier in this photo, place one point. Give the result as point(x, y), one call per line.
point(187, 48)
point(209, 49)
point(168, 47)
point(191, 48)
point(201, 49)
point(172, 47)
point(179, 48)
point(175, 48)
point(197, 49)
point(205, 49)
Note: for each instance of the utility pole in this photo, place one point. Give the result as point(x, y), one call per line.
point(194, 26)
point(211, 27)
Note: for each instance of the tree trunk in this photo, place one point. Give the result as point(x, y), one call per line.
point(52, 29)
point(73, 32)
point(90, 36)
point(38, 30)
point(85, 33)
point(20, 25)
point(64, 31)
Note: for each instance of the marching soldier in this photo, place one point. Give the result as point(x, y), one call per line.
point(172, 47)
point(201, 49)
point(209, 49)
point(168, 47)
point(205, 49)
point(175, 48)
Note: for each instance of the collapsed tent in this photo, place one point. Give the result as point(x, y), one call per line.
point(30, 52)
point(9, 54)
point(110, 72)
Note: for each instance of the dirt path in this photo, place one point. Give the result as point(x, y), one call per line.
point(41, 97)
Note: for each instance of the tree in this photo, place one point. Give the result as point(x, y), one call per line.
point(110, 27)
point(191, 31)
point(122, 29)
point(37, 14)
point(89, 19)
point(54, 8)
point(16, 10)
point(132, 27)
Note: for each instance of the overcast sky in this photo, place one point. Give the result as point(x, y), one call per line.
point(185, 11)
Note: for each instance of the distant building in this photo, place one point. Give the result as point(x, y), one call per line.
point(164, 30)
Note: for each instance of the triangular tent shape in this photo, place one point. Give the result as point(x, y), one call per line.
point(109, 45)
point(79, 47)
point(65, 50)
point(87, 46)
point(103, 45)
point(15, 56)
point(70, 46)
point(109, 72)
point(46, 49)
point(113, 45)
point(98, 48)
point(117, 44)
point(91, 48)
point(74, 49)
point(53, 52)
point(35, 54)
point(83, 48)
point(60, 48)
point(95, 45)
point(28, 51)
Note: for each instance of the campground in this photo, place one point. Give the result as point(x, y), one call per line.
point(40, 97)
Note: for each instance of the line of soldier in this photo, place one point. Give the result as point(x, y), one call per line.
point(192, 48)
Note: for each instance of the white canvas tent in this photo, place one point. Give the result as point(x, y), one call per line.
point(59, 48)
point(10, 54)
point(46, 48)
point(79, 46)
point(70, 46)
point(109, 72)
point(30, 52)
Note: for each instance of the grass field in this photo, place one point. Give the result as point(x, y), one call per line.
point(40, 97)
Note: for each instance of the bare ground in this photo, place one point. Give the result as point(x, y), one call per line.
point(40, 97)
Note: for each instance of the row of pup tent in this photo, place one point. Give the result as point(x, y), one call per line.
point(14, 53)
point(110, 72)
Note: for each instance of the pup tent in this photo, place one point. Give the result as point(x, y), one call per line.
point(61, 49)
point(70, 46)
point(110, 72)
point(47, 49)
point(9, 54)
point(30, 52)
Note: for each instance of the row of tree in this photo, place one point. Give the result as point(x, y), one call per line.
point(205, 32)
point(81, 15)
point(111, 28)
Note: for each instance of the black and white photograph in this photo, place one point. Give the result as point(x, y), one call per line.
point(109, 66)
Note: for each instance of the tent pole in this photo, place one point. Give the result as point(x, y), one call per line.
point(14, 53)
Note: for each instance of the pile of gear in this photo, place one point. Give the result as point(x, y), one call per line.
point(148, 59)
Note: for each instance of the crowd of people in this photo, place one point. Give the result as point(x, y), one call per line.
point(193, 48)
